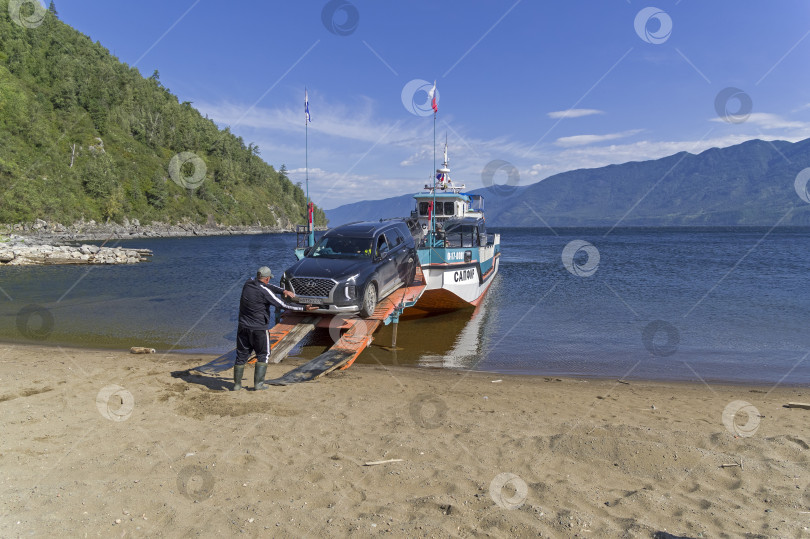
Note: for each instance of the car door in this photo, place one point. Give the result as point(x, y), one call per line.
point(386, 264)
point(401, 255)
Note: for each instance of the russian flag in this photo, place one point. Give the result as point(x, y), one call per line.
point(432, 97)
point(306, 106)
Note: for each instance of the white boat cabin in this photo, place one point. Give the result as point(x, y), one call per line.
point(444, 200)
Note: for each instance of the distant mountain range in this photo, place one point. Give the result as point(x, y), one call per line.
point(747, 184)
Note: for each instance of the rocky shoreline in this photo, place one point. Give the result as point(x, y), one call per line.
point(45, 243)
point(20, 251)
point(45, 232)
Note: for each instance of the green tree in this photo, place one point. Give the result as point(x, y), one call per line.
point(59, 89)
point(157, 194)
point(98, 176)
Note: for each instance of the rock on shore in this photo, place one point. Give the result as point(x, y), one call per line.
point(20, 251)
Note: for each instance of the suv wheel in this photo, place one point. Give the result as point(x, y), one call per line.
point(369, 302)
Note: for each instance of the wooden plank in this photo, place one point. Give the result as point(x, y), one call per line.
point(377, 462)
point(278, 334)
point(288, 341)
point(342, 354)
point(357, 339)
point(803, 405)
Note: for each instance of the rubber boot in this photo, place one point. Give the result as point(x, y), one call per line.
point(238, 370)
point(258, 376)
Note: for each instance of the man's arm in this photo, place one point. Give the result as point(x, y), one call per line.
point(280, 291)
point(275, 299)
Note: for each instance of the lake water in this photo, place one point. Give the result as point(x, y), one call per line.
point(672, 304)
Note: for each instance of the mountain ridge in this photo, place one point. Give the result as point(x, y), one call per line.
point(748, 184)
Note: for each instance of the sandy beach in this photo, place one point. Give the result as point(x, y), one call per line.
point(105, 443)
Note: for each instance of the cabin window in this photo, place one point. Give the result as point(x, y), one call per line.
point(423, 208)
point(461, 236)
point(449, 208)
point(467, 236)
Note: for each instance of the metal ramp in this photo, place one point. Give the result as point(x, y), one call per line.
point(290, 331)
point(294, 327)
point(358, 337)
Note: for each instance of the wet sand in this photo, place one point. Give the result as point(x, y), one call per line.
point(105, 443)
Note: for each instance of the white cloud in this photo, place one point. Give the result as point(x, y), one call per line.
point(765, 120)
point(537, 169)
point(416, 158)
point(355, 154)
point(356, 123)
point(573, 113)
point(582, 140)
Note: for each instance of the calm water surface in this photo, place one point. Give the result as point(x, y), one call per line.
point(684, 304)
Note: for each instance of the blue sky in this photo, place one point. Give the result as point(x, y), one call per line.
point(547, 86)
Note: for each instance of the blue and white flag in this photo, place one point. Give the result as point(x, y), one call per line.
point(306, 106)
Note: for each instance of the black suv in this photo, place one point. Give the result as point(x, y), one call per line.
point(353, 266)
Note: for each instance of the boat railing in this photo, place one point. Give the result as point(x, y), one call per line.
point(301, 233)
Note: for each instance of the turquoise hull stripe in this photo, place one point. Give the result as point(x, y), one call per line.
point(440, 255)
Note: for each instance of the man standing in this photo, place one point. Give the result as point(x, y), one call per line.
point(251, 334)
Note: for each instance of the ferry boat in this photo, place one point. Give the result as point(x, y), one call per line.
point(459, 259)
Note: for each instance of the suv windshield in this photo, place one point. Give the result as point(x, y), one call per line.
point(342, 247)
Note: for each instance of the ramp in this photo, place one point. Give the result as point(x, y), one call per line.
point(222, 363)
point(288, 333)
point(294, 327)
point(283, 337)
point(342, 354)
point(352, 343)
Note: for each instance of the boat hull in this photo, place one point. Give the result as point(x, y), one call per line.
point(452, 286)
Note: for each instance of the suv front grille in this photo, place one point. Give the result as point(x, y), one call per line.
point(311, 286)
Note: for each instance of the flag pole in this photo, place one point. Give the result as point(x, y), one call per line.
point(310, 216)
point(433, 220)
point(433, 104)
point(306, 149)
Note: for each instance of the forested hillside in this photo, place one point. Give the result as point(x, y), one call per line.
point(83, 135)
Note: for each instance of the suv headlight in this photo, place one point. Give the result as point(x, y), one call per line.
point(350, 288)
